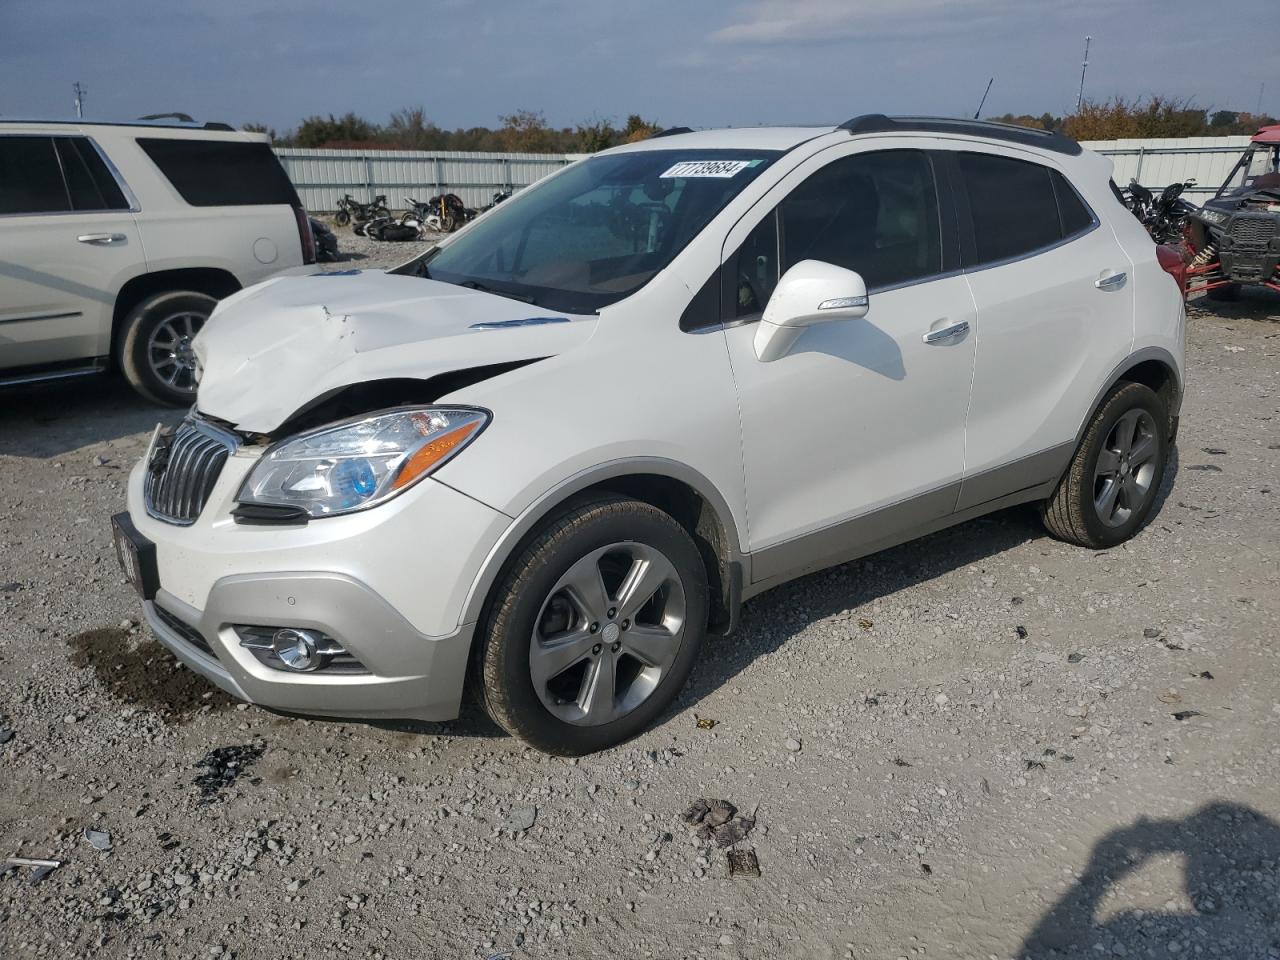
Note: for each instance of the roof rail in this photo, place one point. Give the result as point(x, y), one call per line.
point(177, 124)
point(671, 132)
point(1028, 136)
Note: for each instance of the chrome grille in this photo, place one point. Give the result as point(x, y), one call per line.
point(1255, 232)
point(183, 467)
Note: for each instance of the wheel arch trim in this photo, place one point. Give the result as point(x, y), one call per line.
point(541, 507)
point(1143, 355)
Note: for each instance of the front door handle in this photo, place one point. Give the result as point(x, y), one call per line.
point(1111, 280)
point(102, 239)
point(949, 332)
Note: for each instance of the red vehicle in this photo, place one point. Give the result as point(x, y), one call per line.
point(1234, 238)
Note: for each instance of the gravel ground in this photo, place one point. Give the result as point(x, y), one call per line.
point(983, 744)
point(364, 254)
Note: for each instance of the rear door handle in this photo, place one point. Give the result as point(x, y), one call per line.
point(102, 239)
point(949, 332)
point(1111, 280)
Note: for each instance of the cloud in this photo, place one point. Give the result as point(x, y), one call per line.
point(777, 22)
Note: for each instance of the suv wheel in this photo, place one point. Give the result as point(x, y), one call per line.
point(595, 627)
point(1113, 479)
point(156, 353)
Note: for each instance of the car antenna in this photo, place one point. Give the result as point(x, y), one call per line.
point(984, 98)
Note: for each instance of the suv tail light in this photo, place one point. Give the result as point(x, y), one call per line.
point(1170, 259)
point(304, 235)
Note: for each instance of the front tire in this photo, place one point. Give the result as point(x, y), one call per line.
point(594, 627)
point(342, 218)
point(1111, 485)
point(156, 354)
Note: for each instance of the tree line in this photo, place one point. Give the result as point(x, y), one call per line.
point(1120, 118)
point(524, 131)
point(527, 131)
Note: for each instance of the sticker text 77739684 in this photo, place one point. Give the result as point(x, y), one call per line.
point(707, 168)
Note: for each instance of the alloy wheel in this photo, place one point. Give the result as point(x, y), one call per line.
point(169, 351)
point(607, 634)
point(1126, 469)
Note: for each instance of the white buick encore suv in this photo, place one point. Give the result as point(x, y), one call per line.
point(544, 459)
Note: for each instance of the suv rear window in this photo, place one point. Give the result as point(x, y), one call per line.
point(30, 181)
point(221, 173)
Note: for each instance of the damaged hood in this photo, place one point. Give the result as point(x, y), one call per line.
point(272, 349)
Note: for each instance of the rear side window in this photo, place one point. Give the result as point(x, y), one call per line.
point(1013, 207)
point(1017, 207)
point(30, 179)
point(89, 182)
point(1076, 217)
point(221, 173)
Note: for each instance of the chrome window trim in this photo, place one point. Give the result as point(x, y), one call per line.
point(129, 195)
point(1038, 251)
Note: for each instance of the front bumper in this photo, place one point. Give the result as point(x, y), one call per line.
point(409, 675)
point(389, 584)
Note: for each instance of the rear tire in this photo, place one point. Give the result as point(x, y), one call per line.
point(155, 353)
point(546, 653)
point(1111, 486)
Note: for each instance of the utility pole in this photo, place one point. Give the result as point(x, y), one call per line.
point(1083, 68)
point(1261, 88)
point(80, 91)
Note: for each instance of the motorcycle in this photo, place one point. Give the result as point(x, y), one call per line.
point(350, 209)
point(1165, 217)
point(446, 213)
point(496, 199)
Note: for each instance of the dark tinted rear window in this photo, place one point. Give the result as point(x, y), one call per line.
point(221, 173)
point(90, 183)
point(1076, 217)
point(1013, 206)
point(30, 180)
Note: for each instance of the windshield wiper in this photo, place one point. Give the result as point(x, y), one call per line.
point(477, 285)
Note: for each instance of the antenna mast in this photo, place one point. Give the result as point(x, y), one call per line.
point(984, 98)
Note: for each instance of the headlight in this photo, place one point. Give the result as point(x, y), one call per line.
point(356, 464)
point(1213, 216)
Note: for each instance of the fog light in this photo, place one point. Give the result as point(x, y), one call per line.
point(297, 649)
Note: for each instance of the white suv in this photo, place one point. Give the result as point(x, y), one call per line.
point(116, 240)
point(559, 448)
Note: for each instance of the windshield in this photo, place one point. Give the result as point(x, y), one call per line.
point(600, 230)
point(1258, 168)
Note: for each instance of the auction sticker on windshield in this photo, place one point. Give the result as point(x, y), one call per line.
point(707, 168)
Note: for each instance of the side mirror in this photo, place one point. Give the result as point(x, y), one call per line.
point(810, 292)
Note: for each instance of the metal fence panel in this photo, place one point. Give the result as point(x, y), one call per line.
point(323, 176)
point(1157, 163)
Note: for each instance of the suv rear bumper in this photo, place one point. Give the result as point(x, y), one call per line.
point(408, 674)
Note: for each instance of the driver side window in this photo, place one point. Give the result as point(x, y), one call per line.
point(876, 213)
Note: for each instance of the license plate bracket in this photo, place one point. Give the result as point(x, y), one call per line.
point(137, 556)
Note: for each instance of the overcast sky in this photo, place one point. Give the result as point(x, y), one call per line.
point(693, 62)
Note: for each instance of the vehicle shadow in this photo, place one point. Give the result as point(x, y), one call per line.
point(1252, 303)
point(46, 420)
point(1230, 877)
point(773, 618)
